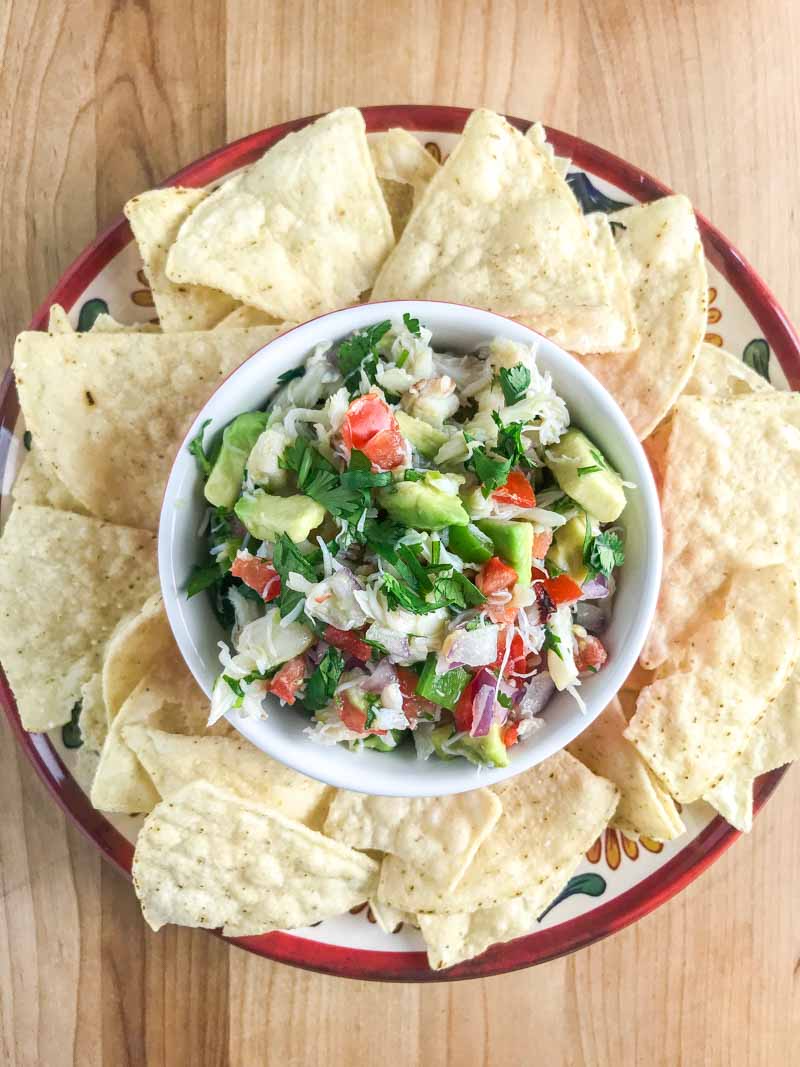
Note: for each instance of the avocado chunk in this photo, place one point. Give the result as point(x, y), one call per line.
point(439, 736)
point(267, 517)
point(425, 438)
point(583, 473)
point(423, 506)
point(376, 741)
point(566, 550)
point(225, 480)
point(513, 543)
point(486, 750)
point(470, 543)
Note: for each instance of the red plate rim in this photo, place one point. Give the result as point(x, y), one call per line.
point(543, 945)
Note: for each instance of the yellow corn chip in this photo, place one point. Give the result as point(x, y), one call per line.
point(719, 374)
point(208, 858)
point(92, 720)
point(37, 483)
point(440, 835)
point(404, 167)
point(244, 318)
point(65, 582)
point(109, 410)
point(58, 321)
point(726, 503)
point(664, 266)
point(301, 232)
point(695, 719)
point(137, 643)
point(156, 217)
point(108, 324)
point(499, 228)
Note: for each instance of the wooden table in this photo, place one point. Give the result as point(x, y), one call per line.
point(101, 100)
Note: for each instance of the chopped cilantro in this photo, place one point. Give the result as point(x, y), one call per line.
point(515, 382)
point(360, 352)
point(510, 442)
point(202, 577)
point(436, 551)
point(321, 686)
point(562, 505)
point(599, 459)
point(398, 596)
point(491, 473)
point(553, 569)
point(71, 732)
point(592, 469)
point(413, 476)
point(317, 478)
point(552, 642)
point(412, 325)
point(504, 701)
point(198, 451)
point(290, 375)
point(476, 623)
point(606, 553)
point(457, 591)
point(356, 479)
point(287, 559)
point(401, 359)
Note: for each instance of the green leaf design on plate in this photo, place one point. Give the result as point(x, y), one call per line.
point(756, 355)
point(71, 731)
point(89, 312)
point(591, 885)
point(589, 196)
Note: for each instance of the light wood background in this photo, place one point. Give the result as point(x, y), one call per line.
point(99, 100)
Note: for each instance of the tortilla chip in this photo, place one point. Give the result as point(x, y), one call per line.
point(452, 938)
point(440, 835)
point(155, 218)
point(664, 265)
point(37, 483)
point(244, 318)
point(92, 720)
point(390, 919)
point(774, 741)
point(727, 502)
point(65, 581)
point(537, 133)
point(208, 858)
point(108, 324)
point(644, 808)
point(718, 374)
point(551, 815)
point(136, 644)
point(498, 228)
point(404, 168)
point(110, 410)
point(58, 320)
point(301, 232)
point(696, 718)
point(173, 761)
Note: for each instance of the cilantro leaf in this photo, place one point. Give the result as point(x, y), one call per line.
point(398, 596)
point(413, 476)
point(365, 479)
point(321, 686)
point(360, 351)
point(290, 375)
point(71, 732)
point(287, 559)
point(412, 325)
point(592, 469)
point(202, 577)
point(510, 442)
point(336, 498)
point(515, 382)
point(607, 552)
point(401, 359)
point(552, 642)
point(198, 451)
point(457, 591)
point(491, 473)
point(553, 569)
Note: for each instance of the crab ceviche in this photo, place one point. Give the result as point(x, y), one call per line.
point(409, 544)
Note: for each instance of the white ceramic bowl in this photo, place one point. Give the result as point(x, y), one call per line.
point(197, 631)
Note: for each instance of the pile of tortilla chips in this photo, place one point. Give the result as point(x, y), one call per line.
point(323, 219)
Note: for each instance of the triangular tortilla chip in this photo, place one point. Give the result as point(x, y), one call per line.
point(727, 502)
point(65, 582)
point(645, 808)
point(404, 168)
point(58, 321)
point(664, 265)
point(719, 374)
point(244, 317)
point(38, 483)
point(155, 218)
point(301, 232)
point(136, 644)
point(109, 410)
point(499, 228)
point(695, 719)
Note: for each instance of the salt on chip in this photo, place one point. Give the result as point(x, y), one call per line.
point(727, 502)
point(719, 374)
point(450, 939)
point(645, 808)
point(664, 266)
point(65, 581)
point(404, 168)
point(696, 718)
point(156, 217)
point(551, 814)
point(440, 835)
point(109, 410)
point(774, 741)
point(206, 857)
point(173, 761)
point(303, 231)
point(499, 228)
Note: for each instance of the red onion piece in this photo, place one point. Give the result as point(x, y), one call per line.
point(482, 711)
point(383, 675)
point(595, 589)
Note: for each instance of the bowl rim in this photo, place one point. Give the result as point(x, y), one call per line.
point(394, 965)
point(390, 774)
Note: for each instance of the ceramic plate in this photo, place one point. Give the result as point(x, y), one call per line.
point(620, 880)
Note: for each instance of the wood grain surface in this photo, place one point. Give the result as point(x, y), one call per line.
point(98, 100)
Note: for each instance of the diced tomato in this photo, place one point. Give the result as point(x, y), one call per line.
point(541, 543)
point(288, 680)
point(509, 734)
point(386, 450)
point(413, 704)
point(462, 713)
point(495, 575)
point(366, 417)
point(562, 589)
point(348, 642)
point(259, 574)
point(590, 654)
point(517, 491)
point(355, 718)
point(516, 658)
point(538, 575)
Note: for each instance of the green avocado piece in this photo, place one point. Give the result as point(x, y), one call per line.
point(422, 506)
point(225, 480)
point(376, 741)
point(486, 750)
point(470, 543)
point(566, 550)
point(267, 517)
point(513, 543)
point(598, 491)
point(426, 439)
point(439, 736)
